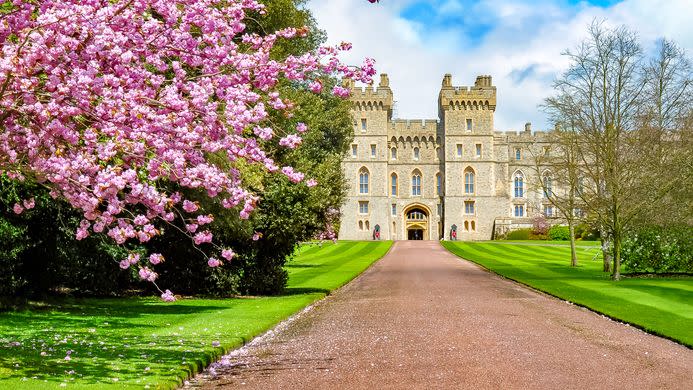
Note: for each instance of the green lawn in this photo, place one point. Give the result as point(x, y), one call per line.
point(663, 306)
point(145, 342)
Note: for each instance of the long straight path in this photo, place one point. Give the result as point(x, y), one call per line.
point(423, 318)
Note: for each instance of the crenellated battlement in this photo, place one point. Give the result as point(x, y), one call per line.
point(481, 96)
point(414, 126)
point(371, 98)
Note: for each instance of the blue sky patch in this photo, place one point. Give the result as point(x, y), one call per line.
point(472, 20)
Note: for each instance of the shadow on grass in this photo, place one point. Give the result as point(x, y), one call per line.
point(305, 290)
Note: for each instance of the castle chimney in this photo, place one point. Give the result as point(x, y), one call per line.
point(384, 81)
point(528, 127)
point(447, 81)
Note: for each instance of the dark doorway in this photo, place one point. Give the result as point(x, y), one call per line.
point(415, 234)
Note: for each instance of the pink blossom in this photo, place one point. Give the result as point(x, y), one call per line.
point(315, 86)
point(167, 296)
point(133, 258)
point(124, 264)
point(29, 203)
point(203, 237)
point(291, 141)
point(18, 209)
point(212, 262)
point(228, 254)
point(293, 176)
point(341, 91)
point(257, 236)
point(156, 258)
point(301, 127)
point(264, 133)
point(204, 219)
point(189, 206)
point(141, 220)
point(311, 182)
point(147, 274)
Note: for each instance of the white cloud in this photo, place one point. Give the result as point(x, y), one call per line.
point(521, 51)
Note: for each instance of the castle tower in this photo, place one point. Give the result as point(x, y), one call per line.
point(466, 114)
point(467, 109)
point(365, 166)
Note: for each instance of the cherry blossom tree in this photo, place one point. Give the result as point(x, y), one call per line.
point(108, 103)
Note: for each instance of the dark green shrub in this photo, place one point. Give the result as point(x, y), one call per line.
point(519, 234)
point(584, 231)
point(559, 233)
point(39, 253)
point(659, 249)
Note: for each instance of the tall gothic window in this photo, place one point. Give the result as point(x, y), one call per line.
point(519, 184)
point(416, 183)
point(469, 181)
point(416, 153)
point(393, 184)
point(363, 181)
point(548, 186)
point(439, 184)
point(393, 153)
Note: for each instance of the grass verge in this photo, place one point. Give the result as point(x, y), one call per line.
point(146, 343)
point(663, 306)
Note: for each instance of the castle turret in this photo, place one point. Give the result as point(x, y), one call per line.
point(467, 109)
point(466, 115)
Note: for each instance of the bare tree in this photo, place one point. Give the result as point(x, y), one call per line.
point(614, 99)
point(557, 168)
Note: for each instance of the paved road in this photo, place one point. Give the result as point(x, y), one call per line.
point(422, 318)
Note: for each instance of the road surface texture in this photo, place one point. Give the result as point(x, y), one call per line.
point(422, 318)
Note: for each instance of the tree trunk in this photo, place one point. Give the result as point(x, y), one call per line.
point(606, 253)
point(573, 253)
point(616, 275)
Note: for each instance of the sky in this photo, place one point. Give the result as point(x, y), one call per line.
point(518, 42)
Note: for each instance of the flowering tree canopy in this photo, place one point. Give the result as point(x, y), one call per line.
point(110, 103)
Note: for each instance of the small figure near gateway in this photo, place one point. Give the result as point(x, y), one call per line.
point(416, 179)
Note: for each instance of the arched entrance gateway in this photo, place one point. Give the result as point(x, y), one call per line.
point(416, 222)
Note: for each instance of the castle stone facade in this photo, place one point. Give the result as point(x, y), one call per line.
point(448, 178)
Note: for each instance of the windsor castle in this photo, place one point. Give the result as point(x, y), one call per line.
point(450, 178)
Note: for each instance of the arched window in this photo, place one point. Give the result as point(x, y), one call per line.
point(466, 226)
point(393, 184)
point(416, 215)
point(473, 226)
point(393, 153)
point(360, 225)
point(416, 183)
point(548, 186)
point(364, 181)
point(469, 178)
point(519, 185)
point(416, 153)
point(439, 184)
